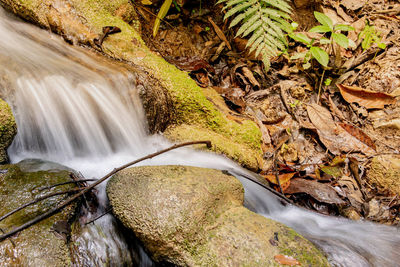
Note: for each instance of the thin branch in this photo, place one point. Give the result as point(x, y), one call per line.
point(85, 190)
point(98, 217)
point(64, 183)
point(38, 200)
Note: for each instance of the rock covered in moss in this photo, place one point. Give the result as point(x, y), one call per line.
point(384, 171)
point(193, 216)
point(43, 244)
point(8, 129)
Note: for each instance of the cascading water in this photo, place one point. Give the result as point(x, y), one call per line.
point(72, 109)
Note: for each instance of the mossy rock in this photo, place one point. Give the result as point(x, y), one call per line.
point(37, 245)
point(192, 216)
point(8, 129)
point(384, 172)
point(81, 21)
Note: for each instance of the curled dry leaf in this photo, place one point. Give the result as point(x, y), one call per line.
point(366, 98)
point(359, 134)
point(283, 178)
point(319, 191)
point(334, 137)
point(286, 260)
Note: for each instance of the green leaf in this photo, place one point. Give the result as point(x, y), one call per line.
point(300, 37)
point(320, 28)
point(324, 41)
point(341, 40)
point(343, 27)
point(327, 81)
point(381, 45)
point(320, 55)
point(161, 14)
point(323, 19)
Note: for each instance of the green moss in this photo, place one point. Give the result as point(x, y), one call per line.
point(8, 129)
point(36, 245)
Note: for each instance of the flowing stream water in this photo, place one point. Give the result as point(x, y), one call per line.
point(74, 109)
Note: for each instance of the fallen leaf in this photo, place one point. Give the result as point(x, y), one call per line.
point(286, 260)
point(283, 178)
point(394, 123)
point(335, 138)
point(366, 98)
point(353, 4)
point(219, 32)
point(319, 191)
point(359, 134)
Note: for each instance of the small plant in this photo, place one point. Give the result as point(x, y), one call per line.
point(331, 36)
point(265, 21)
point(370, 37)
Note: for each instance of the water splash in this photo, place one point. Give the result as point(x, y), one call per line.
point(75, 110)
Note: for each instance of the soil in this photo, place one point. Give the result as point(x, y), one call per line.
point(279, 99)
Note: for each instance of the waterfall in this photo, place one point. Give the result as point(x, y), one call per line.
point(77, 110)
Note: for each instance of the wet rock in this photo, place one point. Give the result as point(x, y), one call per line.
point(192, 216)
point(384, 171)
point(38, 245)
point(8, 129)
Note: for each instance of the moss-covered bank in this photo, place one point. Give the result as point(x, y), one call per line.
point(193, 216)
point(8, 129)
point(80, 21)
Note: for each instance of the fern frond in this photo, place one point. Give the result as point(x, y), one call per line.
point(265, 21)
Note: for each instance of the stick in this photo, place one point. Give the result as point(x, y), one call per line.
point(38, 200)
point(74, 197)
point(98, 217)
point(69, 182)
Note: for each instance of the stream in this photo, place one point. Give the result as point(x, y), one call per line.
point(77, 110)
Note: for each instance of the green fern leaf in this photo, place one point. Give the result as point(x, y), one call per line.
point(254, 37)
point(244, 15)
point(249, 23)
point(231, 3)
point(238, 8)
point(265, 21)
point(252, 28)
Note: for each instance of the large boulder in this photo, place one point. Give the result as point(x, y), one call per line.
point(193, 216)
point(190, 110)
point(45, 243)
point(8, 129)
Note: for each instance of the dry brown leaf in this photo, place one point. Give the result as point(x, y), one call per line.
point(320, 191)
point(359, 134)
point(220, 33)
point(334, 137)
point(366, 98)
point(286, 260)
point(283, 178)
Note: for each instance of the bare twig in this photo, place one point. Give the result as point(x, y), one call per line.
point(277, 173)
point(98, 217)
point(64, 183)
point(36, 200)
point(85, 190)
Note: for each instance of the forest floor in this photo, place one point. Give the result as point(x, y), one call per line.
point(331, 135)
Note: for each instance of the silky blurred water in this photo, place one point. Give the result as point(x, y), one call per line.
point(83, 113)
